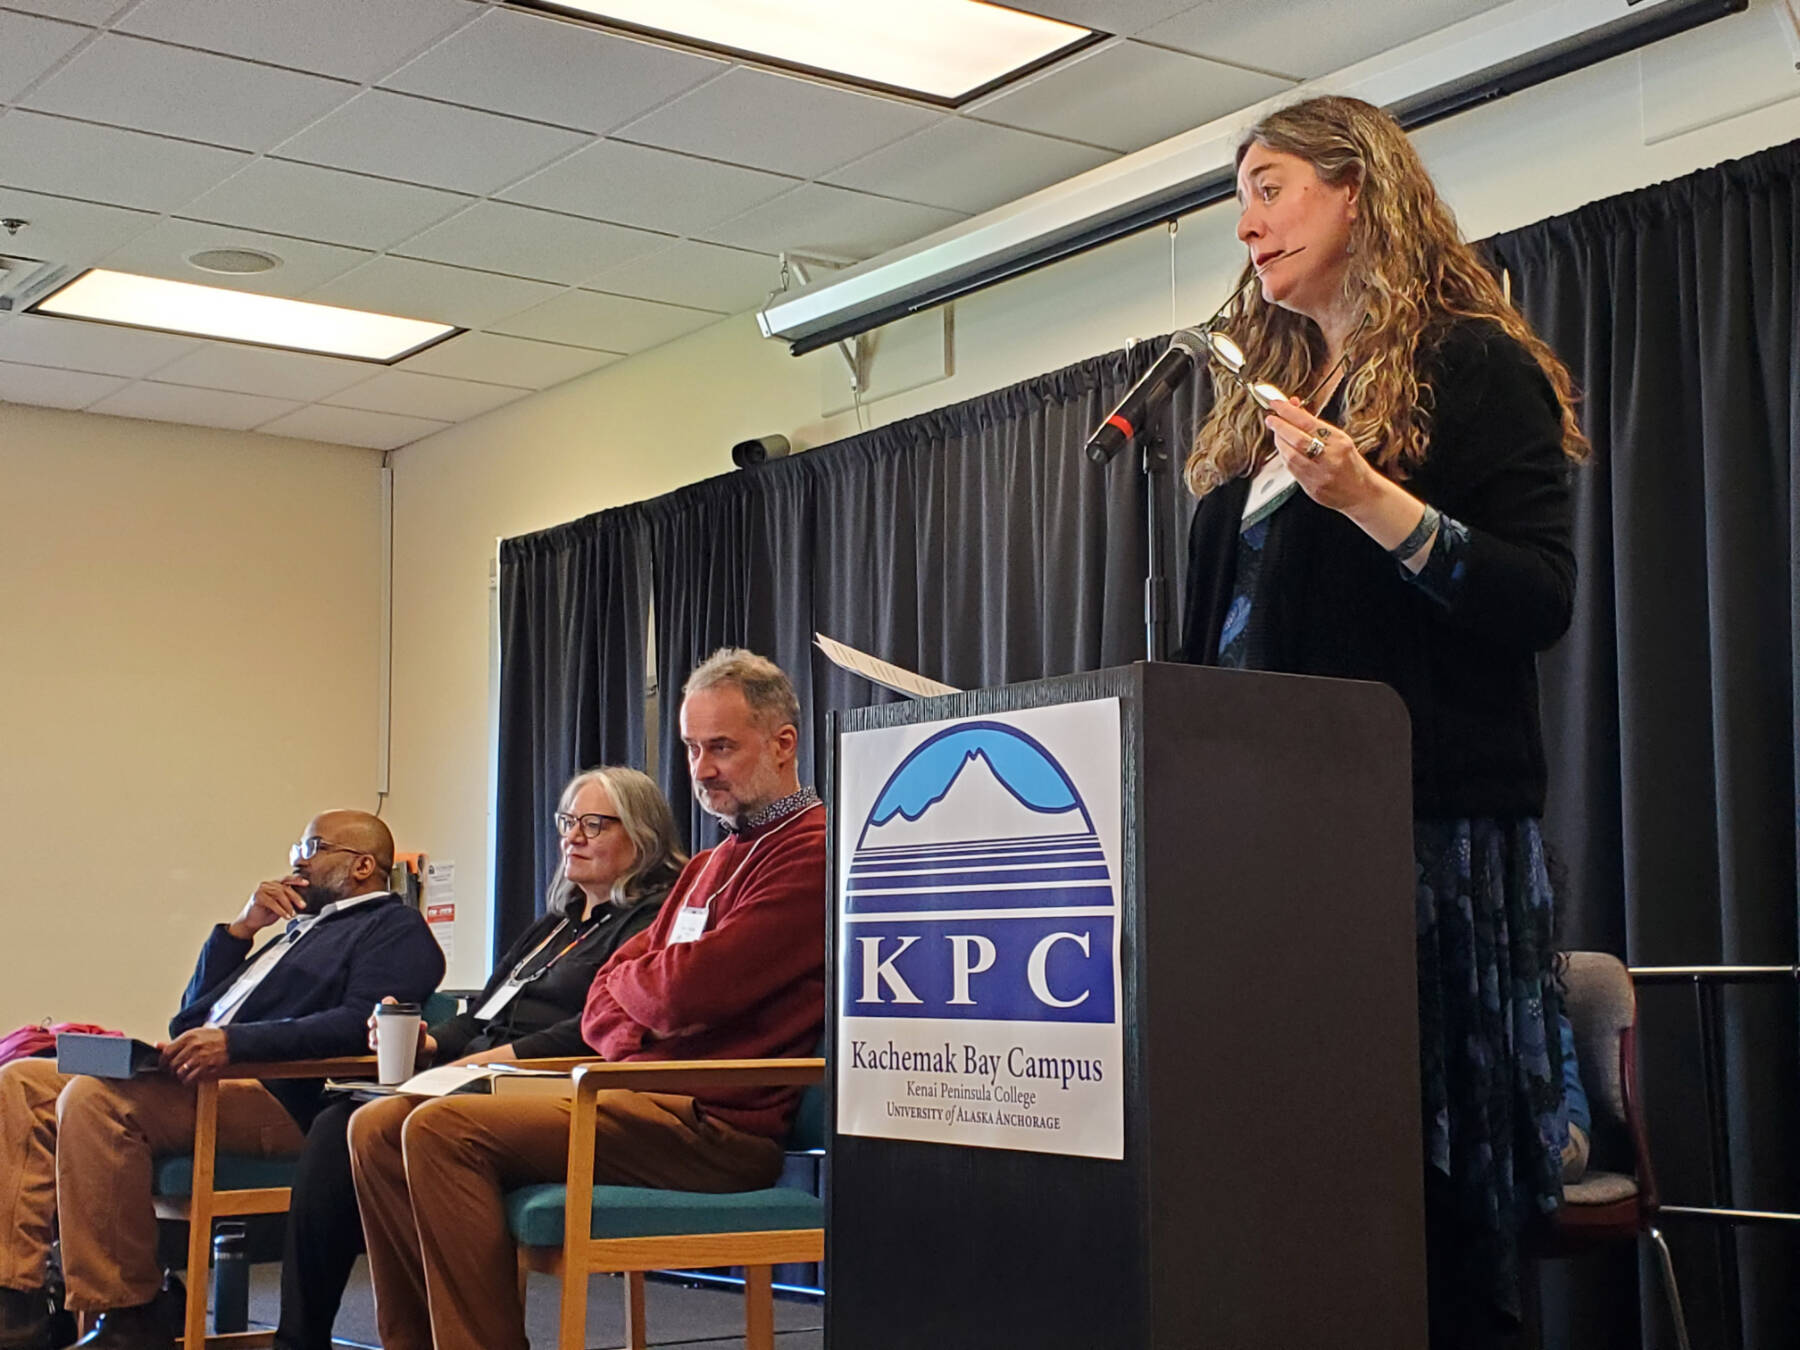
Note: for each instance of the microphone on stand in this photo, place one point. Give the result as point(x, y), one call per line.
point(1169, 372)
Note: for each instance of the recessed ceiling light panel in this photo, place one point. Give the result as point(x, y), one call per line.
point(945, 51)
point(239, 316)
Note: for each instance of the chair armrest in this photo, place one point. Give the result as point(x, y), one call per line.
point(343, 1066)
point(685, 1075)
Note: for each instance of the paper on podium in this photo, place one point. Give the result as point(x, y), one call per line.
point(880, 672)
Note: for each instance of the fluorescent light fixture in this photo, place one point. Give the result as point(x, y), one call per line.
point(946, 51)
point(239, 316)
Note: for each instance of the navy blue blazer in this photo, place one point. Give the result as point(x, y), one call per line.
point(317, 1000)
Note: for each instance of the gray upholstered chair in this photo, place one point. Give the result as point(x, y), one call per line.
point(1616, 1199)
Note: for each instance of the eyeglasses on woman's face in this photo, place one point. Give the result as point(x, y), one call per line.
point(589, 826)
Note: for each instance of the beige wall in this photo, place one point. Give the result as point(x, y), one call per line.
point(188, 657)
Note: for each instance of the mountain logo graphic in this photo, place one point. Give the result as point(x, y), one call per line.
point(979, 887)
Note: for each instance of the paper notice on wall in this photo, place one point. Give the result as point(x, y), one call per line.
point(439, 902)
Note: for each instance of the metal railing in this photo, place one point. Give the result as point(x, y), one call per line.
point(1709, 984)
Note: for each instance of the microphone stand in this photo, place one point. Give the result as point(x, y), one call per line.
point(1154, 462)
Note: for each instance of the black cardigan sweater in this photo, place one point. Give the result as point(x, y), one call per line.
point(544, 1020)
point(1465, 664)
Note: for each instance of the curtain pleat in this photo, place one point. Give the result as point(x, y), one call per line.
point(573, 626)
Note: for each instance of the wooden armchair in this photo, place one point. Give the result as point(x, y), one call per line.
point(207, 1185)
point(576, 1228)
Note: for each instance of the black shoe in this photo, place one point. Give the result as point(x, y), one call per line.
point(155, 1325)
point(24, 1320)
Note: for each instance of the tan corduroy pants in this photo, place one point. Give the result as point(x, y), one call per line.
point(76, 1153)
point(431, 1177)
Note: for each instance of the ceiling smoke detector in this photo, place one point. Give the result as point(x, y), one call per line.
point(234, 262)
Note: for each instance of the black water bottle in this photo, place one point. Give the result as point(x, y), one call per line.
point(231, 1279)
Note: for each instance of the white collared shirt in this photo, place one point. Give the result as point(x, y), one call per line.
point(226, 1005)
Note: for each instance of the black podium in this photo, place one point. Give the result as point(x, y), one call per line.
point(1269, 1196)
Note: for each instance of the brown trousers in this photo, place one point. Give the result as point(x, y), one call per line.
point(76, 1154)
point(431, 1179)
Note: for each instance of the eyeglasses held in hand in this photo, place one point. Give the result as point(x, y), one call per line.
point(1230, 357)
point(590, 825)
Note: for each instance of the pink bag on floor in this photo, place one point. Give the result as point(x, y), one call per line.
point(41, 1039)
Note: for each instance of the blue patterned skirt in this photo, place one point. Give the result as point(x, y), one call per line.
point(1490, 1055)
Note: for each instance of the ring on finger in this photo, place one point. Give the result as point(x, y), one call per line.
point(1316, 446)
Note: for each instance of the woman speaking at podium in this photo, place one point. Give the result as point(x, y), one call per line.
point(1384, 485)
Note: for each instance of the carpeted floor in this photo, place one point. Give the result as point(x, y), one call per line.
point(678, 1317)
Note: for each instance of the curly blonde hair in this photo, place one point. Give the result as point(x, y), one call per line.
point(1414, 273)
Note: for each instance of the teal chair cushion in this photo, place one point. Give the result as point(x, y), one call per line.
point(174, 1175)
point(535, 1213)
point(439, 1008)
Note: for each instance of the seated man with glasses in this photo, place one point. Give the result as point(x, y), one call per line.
point(76, 1153)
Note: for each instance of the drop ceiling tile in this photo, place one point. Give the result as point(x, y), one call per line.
point(413, 395)
point(643, 186)
point(706, 276)
point(346, 426)
point(437, 144)
point(195, 407)
point(100, 348)
point(1303, 38)
point(968, 166)
point(125, 168)
point(508, 360)
point(778, 123)
point(80, 11)
point(531, 65)
point(422, 290)
point(831, 221)
point(67, 231)
point(1128, 95)
point(46, 388)
point(29, 47)
point(524, 242)
point(351, 39)
point(151, 86)
point(1123, 17)
point(612, 322)
point(163, 251)
point(326, 204)
point(257, 370)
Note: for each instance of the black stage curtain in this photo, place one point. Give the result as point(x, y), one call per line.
point(573, 625)
point(976, 544)
point(732, 558)
point(1670, 708)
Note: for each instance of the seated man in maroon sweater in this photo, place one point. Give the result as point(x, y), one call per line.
point(733, 968)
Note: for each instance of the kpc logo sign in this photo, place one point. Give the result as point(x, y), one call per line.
point(1014, 923)
point(979, 931)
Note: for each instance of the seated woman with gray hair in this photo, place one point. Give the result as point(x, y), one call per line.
point(618, 856)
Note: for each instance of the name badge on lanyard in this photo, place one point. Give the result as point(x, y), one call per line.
point(690, 923)
point(504, 995)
